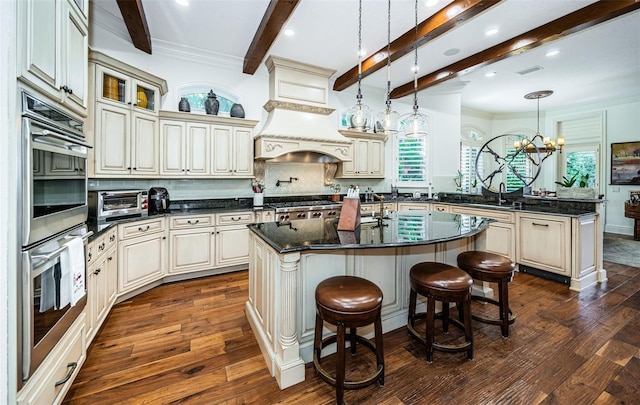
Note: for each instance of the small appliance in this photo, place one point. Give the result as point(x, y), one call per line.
point(158, 200)
point(112, 205)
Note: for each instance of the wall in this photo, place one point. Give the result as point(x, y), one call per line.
point(180, 66)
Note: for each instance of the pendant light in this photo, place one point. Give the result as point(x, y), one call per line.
point(543, 145)
point(387, 120)
point(359, 116)
point(415, 124)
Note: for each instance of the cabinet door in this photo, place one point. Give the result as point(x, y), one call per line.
point(500, 239)
point(191, 250)
point(144, 96)
point(38, 45)
point(145, 148)
point(376, 158)
point(545, 243)
point(111, 286)
point(243, 152)
point(112, 143)
point(232, 245)
point(361, 156)
point(172, 144)
point(112, 87)
point(141, 261)
point(100, 300)
point(197, 149)
point(222, 141)
point(75, 60)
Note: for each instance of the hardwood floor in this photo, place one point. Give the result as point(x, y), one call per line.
point(189, 342)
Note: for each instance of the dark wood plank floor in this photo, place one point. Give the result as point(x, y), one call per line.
point(189, 342)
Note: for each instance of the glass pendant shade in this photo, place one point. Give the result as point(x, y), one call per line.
point(415, 124)
point(359, 117)
point(387, 121)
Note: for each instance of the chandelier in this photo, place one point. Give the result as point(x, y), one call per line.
point(542, 145)
point(415, 124)
point(359, 116)
point(387, 120)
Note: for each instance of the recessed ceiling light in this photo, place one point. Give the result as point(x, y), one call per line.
point(289, 32)
point(183, 3)
point(451, 52)
point(552, 53)
point(431, 3)
point(492, 31)
point(490, 74)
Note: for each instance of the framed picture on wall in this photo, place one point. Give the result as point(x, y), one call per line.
point(625, 163)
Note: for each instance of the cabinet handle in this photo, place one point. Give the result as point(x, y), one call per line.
point(143, 230)
point(193, 223)
point(135, 168)
point(89, 256)
point(164, 238)
point(101, 247)
point(110, 258)
point(97, 271)
point(537, 224)
point(112, 238)
point(72, 368)
point(236, 219)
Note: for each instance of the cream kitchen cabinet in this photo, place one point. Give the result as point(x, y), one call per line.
point(102, 276)
point(264, 216)
point(232, 151)
point(51, 381)
point(142, 253)
point(545, 242)
point(184, 149)
point(232, 238)
point(368, 156)
point(368, 209)
point(413, 206)
point(53, 48)
point(192, 241)
point(124, 126)
point(500, 237)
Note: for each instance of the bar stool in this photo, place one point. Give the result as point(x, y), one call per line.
point(492, 268)
point(348, 302)
point(447, 284)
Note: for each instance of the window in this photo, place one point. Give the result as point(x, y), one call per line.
point(470, 145)
point(196, 94)
point(581, 160)
point(581, 153)
point(519, 164)
point(412, 161)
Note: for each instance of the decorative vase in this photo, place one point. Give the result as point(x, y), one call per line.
point(183, 105)
point(211, 104)
point(237, 111)
point(142, 98)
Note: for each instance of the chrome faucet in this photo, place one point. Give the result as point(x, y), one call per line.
point(502, 189)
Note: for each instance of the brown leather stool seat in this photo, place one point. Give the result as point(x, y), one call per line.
point(447, 284)
point(348, 302)
point(492, 268)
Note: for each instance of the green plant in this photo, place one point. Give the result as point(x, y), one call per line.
point(474, 183)
point(458, 180)
point(584, 181)
point(567, 182)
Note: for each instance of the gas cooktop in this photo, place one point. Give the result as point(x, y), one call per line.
point(317, 204)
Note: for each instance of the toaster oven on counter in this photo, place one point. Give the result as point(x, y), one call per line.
point(112, 205)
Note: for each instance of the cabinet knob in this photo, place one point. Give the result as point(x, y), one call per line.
point(110, 258)
point(96, 271)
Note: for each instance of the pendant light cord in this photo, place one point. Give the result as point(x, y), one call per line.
point(415, 66)
point(389, 55)
point(359, 96)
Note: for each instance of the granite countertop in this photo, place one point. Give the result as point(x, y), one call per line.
point(397, 230)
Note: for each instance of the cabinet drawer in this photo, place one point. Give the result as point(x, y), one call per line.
point(235, 218)
point(111, 238)
point(58, 370)
point(140, 228)
point(191, 221)
point(440, 207)
point(500, 216)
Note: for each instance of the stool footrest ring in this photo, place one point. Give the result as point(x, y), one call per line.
point(348, 384)
point(450, 348)
point(489, 320)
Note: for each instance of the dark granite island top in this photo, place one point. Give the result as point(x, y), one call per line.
point(399, 229)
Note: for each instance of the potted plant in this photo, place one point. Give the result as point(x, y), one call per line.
point(474, 187)
point(458, 180)
point(567, 187)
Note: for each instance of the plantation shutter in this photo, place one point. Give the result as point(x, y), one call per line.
point(412, 161)
point(468, 156)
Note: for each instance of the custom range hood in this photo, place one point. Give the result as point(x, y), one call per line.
point(299, 127)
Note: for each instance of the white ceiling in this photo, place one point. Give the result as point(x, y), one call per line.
point(599, 63)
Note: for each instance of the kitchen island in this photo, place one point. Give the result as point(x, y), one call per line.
point(287, 260)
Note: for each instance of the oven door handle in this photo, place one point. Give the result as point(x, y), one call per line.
point(49, 256)
point(46, 132)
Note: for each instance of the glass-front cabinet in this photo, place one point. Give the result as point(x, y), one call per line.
point(114, 87)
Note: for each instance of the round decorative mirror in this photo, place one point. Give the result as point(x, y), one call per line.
point(506, 159)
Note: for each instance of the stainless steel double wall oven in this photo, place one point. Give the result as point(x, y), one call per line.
point(53, 210)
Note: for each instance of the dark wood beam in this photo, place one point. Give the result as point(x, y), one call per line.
point(272, 22)
point(136, 22)
point(428, 30)
point(579, 20)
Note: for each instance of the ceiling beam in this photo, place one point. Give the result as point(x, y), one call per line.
point(272, 22)
point(136, 22)
point(596, 13)
point(428, 30)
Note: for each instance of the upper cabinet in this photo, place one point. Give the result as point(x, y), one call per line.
point(53, 49)
point(196, 145)
point(368, 156)
point(124, 126)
